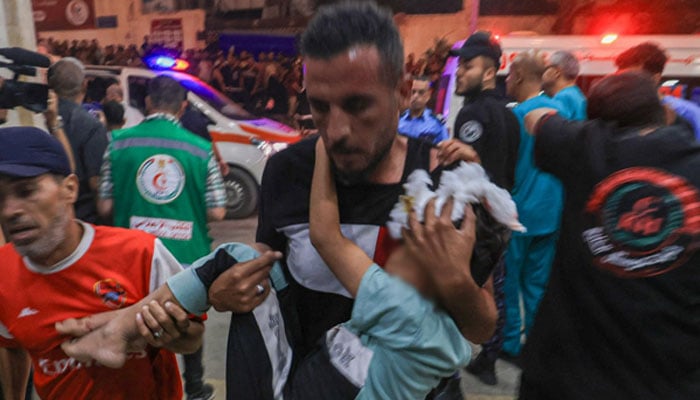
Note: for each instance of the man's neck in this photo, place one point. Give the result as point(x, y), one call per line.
point(528, 91)
point(159, 111)
point(417, 113)
point(390, 169)
point(561, 86)
point(77, 99)
point(73, 236)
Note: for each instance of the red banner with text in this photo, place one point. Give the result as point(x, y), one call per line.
point(59, 15)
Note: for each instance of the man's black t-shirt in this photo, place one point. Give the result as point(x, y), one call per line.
point(88, 141)
point(320, 301)
point(621, 315)
point(485, 123)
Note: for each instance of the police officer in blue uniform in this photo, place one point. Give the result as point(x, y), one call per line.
point(419, 121)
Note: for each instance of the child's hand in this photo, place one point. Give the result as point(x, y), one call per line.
point(104, 338)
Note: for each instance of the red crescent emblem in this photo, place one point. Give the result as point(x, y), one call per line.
point(160, 181)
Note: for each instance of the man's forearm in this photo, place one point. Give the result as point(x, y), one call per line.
point(14, 372)
point(122, 323)
point(190, 339)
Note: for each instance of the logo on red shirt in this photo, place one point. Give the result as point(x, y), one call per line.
point(111, 292)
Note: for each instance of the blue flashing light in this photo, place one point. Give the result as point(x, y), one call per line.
point(162, 62)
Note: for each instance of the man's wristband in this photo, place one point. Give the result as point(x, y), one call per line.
point(58, 125)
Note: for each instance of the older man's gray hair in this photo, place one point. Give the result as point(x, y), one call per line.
point(566, 62)
point(66, 77)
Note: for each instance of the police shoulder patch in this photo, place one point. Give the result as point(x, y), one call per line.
point(470, 131)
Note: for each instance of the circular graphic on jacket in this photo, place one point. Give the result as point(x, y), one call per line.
point(470, 131)
point(649, 222)
point(160, 179)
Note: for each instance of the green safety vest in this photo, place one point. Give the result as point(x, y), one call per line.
point(159, 172)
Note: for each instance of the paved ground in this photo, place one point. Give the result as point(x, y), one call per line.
point(217, 332)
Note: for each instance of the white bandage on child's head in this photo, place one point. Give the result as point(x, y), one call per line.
point(468, 183)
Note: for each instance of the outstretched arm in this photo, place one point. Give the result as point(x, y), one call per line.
point(107, 337)
point(347, 260)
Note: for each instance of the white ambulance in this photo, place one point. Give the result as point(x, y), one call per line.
point(244, 141)
point(597, 55)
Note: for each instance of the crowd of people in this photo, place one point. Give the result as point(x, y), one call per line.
point(268, 83)
point(365, 282)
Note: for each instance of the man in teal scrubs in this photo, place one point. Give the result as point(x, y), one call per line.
point(559, 83)
point(539, 198)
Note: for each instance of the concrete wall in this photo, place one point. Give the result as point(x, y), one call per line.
point(419, 32)
point(132, 26)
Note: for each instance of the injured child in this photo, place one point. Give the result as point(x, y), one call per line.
point(399, 342)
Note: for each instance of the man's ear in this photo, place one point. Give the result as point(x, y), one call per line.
point(557, 72)
point(489, 74)
point(516, 77)
point(183, 107)
point(69, 188)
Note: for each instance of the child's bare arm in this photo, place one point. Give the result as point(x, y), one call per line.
point(347, 260)
point(107, 337)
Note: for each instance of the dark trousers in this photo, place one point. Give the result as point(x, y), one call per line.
point(494, 345)
point(194, 372)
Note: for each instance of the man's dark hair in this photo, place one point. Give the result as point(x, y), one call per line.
point(423, 78)
point(166, 94)
point(337, 28)
point(648, 55)
point(114, 112)
point(629, 99)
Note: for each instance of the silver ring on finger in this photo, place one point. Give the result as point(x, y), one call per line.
point(158, 334)
point(260, 289)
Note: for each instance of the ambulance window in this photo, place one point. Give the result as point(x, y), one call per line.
point(138, 88)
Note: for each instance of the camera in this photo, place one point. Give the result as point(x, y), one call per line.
point(13, 92)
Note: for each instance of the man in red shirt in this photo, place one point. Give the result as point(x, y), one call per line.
point(56, 267)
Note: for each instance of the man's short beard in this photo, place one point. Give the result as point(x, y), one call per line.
point(49, 242)
point(355, 177)
point(474, 91)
